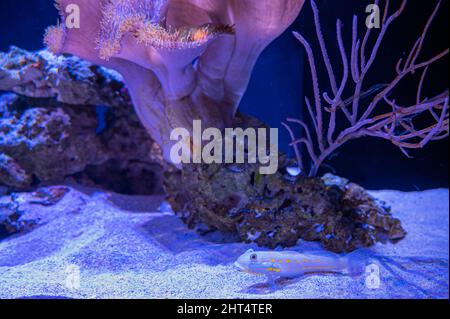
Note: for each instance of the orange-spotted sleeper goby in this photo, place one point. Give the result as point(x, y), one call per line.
point(288, 264)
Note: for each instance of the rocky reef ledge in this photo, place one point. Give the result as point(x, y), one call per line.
point(61, 117)
point(278, 210)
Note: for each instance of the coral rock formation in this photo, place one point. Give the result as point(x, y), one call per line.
point(278, 210)
point(69, 118)
point(15, 215)
point(68, 80)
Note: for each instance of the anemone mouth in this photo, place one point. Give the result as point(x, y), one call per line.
point(144, 20)
point(158, 37)
point(180, 38)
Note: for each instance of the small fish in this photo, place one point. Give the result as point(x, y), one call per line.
point(294, 171)
point(236, 168)
point(363, 95)
point(288, 264)
point(165, 208)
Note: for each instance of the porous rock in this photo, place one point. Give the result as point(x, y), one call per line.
point(16, 215)
point(68, 118)
point(277, 210)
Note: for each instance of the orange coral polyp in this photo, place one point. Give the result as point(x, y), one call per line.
point(108, 49)
point(200, 35)
point(54, 38)
point(161, 38)
point(132, 23)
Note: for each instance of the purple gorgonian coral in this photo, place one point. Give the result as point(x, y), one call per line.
point(182, 60)
point(409, 125)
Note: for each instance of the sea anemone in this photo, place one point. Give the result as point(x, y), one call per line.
point(182, 60)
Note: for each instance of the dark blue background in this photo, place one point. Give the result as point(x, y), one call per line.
point(276, 89)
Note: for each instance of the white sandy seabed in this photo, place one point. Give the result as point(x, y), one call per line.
point(98, 245)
